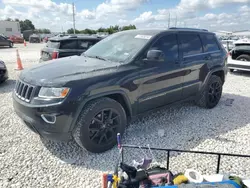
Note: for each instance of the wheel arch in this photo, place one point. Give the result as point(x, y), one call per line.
point(218, 71)
point(119, 96)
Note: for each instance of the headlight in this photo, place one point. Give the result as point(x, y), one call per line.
point(46, 92)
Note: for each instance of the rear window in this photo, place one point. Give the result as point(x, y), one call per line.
point(86, 44)
point(191, 44)
point(53, 44)
point(209, 43)
point(68, 44)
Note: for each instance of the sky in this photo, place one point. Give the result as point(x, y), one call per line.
point(56, 15)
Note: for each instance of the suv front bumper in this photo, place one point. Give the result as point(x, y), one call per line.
point(31, 115)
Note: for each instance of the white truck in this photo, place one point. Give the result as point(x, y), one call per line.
point(9, 28)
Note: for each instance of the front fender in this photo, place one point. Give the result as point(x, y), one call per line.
point(99, 95)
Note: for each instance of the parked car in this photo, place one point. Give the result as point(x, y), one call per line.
point(5, 42)
point(239, 57)
point(58, 47)
point(3, 72)
point(92, 97)
point(34, 38)
point(16, 39)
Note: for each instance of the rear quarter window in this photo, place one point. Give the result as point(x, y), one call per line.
point(53, 44)
point(209, 43)
point(68, 44)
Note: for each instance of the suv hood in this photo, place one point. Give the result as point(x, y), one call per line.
point(60, 71)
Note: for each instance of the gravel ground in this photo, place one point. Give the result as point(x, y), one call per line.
point(28, 161)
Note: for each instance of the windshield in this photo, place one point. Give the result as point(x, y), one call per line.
point(119, 47)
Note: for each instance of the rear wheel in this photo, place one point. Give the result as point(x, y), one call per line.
point(231, 70)
point(211, 95)
point(98, 125)
point(243, 58)
point(11, 44)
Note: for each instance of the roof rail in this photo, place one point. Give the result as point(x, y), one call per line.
point(72, 36)
point(186, 28)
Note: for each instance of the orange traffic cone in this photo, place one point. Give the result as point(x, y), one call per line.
point(24, 43)
point(19, 62)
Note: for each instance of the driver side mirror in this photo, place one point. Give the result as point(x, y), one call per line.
point(155, 55)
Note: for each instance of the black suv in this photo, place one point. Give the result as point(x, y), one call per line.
point(92, 97)
point(58, 47)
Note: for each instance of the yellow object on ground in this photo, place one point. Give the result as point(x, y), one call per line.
point(180, 179)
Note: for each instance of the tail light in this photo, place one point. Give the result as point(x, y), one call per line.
point(54, 55)
point(229, 54)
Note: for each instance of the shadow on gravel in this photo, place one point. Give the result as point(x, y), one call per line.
point(241, 73)
point(7, 47)
point(185, 126)
point(7, 86)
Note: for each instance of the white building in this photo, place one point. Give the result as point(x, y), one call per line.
point(9, 28)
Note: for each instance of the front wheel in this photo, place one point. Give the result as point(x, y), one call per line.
point(211, 95)
point(98, 125)
point(231, 70)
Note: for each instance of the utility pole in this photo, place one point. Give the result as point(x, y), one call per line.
point(74, 24)
point(168, 19)
point(176, 21)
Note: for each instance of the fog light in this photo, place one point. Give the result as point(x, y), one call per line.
point(49, 118)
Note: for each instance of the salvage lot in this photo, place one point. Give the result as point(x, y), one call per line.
point(28, 161)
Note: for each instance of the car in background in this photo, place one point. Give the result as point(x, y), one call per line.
point(3, 72)
point(239, 56)
point(58, 47)
point(228, 44)
point(4, 41)
point(16, 39)
point(34, 38)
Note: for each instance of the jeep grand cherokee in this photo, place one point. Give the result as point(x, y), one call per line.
point(90, 98)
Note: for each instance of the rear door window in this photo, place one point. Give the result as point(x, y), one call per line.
point(86, 44)
point(191, 44)
point(68, 44)
point(209, 43)
point(53, 44)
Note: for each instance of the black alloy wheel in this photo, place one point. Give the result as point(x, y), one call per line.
point(104, 125)
point(214, 92)
point(98, 124)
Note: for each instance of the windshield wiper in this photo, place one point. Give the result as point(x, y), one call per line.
point(97, 57)
point(101, 58)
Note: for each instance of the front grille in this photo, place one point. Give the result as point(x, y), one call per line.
point(24, 91)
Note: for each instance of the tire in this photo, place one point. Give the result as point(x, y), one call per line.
point(90, 126)
point(231, 70)
point(210, 98)
point(243, 58)
point(11, 44)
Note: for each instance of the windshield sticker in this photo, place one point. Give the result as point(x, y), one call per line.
point(143, 37)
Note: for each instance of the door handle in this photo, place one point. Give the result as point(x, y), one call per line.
point(207, 58)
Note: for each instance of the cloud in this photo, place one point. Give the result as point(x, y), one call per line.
point(49, 14)
point(42, 11)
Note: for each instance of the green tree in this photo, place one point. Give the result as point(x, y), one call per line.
point(71, 31)
point(129, 27)
point(26, 25)
point(8, 19)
